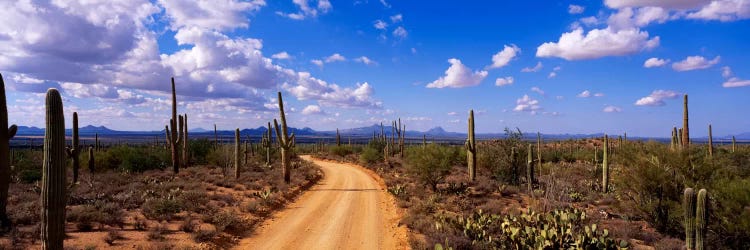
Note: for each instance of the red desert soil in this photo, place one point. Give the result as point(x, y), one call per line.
point(349, 209)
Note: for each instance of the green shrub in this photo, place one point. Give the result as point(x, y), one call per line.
point(431, 164)
point(199, 150)
point(341, 151)
point(496, 156)
point(372, 153)
point(161, 208)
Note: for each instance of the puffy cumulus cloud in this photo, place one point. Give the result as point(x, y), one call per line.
point(526, 104)
point(502, 81)
point(458, 76)
point(306, 87)
point(575, 9)
point(25, 83)
point(308, 8)
point(725, 11)
point(735, 82)
point(379, 24)
point(317, 62)
point(597, 43)
point(78, 90)
point(629, 18)
point(210, 14)
point(312, 110)
point(654, 62)
point(612, 109)
point(365, 60)
point(503, 57)
point(335, 58)
point(657, 97)
point(400, 32)
point(281, 56)
point(397, 18)
point(536, 68)
point(670, 4)
point(584, 94)
point(695, 63)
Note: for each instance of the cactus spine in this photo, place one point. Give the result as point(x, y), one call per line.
point(689, 207)
point(92, 162)
point(74, 149)
point(685, 129)
point(173, 137)
point(700, 220)
point(5, 136)
point(286, 142)
point(53, 174)
point(530, 170)
point(605, 165)
point(237, 153)
point(471, 148)
point(710, 142)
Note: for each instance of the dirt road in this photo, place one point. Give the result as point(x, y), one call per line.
point(349, 209)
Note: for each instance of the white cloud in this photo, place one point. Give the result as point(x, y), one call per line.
point(452, 113)
point(584, 94)
point(537, 90)
point(216, 15)
point(654, 62)
point(670, 4)
point(397, 18)
point(281, 56)
point(400, 32)
point(534, 69)
point(526, 104)
point(735, 82)
point(726, 71)
point(311, 88)
point(657, 98)
point(612, 109)
point(365, 60)
point(502, 81)
point(597, 43)
point(379, 24)
point(335, 58)
point(723, 10)
point(307, 9)
point(317, 62)
point(575, 9)
point(503, 57)
point(385, 4)
point(553, 74)
point(458, 76)
point(599, 95)
point(694, 63)
point(312, 110)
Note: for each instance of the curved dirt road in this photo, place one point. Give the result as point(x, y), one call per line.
point(348, 209)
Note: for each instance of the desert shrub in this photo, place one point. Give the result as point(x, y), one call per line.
point(156, 233)
point(30, 175)
point(372, 153)
point(430, 164)
point(203, 235)
point(85, 216)
point(112, 236)
point(133, 159)
point(497, 156)
point(222, 156)
point(341, 151)
point(188, 225)
point(161, 208)
point(226, 220)
point(199, 150)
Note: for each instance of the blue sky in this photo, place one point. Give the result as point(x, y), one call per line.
point(610, 66)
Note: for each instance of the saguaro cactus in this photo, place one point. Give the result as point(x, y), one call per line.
point(734, 144)
point(53, 174)
point(237, 153)
point(471, 148)
point(185, 144)
point(700, 220)
point(216, 137)
point(286, 142)
point(710, 142)
point(74, 150)
point(530, 170)
point(605, 165)
point(685, 129)
point(539, 149)
point(688, 203)
point(675, 140)
point(5, 136)
point(92, 162)
point(173, 137)
point(338, 138)
point(266, 142)
point(96, 141)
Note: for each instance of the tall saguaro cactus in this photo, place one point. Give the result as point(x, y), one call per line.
point(237, 153)
point(174, 137)
point(53, 174)
point(734, 144)
point(74, 149)
point(266, 142)
point(185, 144)
point(92, 162)
point(286, 142)
point(700, 220)
point(685, 129)
point(5, 136)
point(471, 148)
point(605, 165)
point(338, 138)
point(539, 150)
point(710, 142)
point(530, 170)
point(688, 203)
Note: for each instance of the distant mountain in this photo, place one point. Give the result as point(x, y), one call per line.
point(24, 130)
point(198, 130)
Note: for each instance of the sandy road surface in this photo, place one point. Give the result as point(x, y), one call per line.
point(348, 209)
